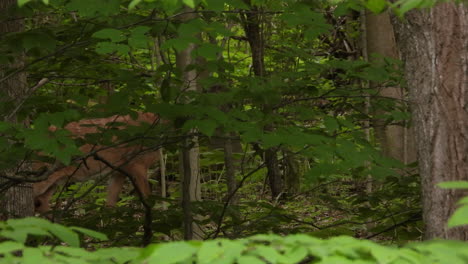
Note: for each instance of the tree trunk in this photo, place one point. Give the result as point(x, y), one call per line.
point(230, 170)
point(292, 172)
point(252, 26)
point(395, 140)
point(191, 189)
point(18, 200)
point(163, 177)
point(434, 45)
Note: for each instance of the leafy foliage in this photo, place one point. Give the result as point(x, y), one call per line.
point(257, 249)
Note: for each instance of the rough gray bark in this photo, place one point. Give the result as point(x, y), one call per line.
point(434, 46)
point(18, 200)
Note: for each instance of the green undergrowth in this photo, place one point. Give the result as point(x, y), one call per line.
point(34, 240)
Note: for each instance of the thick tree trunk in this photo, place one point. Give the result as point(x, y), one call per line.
point(18, 200)
point(395, 140)
point(434, 45)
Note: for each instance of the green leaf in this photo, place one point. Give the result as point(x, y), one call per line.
point(114, 35)
point(267, 252)
point(179, 44)
point(294, 255)
point(58, 143)
point(337, 259)
point(341, 9)
point(272, 139)
point(65, 234)
point(376, 74)
point(459, 218)
point(10, 246)
point(331, 124)
point(376, 6)
point(221, 251)
point(191, 28)
point(209, 51)
point(249, 260)
point(171, 6)
point(251, 134)
point(453, 185)
point(119, 255)
point(21, 234)
point(33, 256)
point(4, 126)
point(133, 3)
point(118, 102)
point(138, 38)
point(90, 8)
point(90, 233)
point(23, 2)
point(38, 39)
point(463, 201)
point(29, 221)
point(407, 5)
point(381, 172)
point(189, 3)
point(77, 254)
point(302, 240)
point(210, 252)
point(172, 253)
point(384, 254)
point(215, 5)
point(218, 29)
point(31, 225)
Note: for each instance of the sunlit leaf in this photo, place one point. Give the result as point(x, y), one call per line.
point(459, 218)
point(453, 185)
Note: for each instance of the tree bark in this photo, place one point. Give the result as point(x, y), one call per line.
point(191, 189)
point(163, 177)
point(434, 45)
point(395, 140)
point(252, 27)
point(230, 170)
point(292, 172)
point(18, 200)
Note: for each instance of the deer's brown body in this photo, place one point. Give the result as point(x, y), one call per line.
point(134, 160)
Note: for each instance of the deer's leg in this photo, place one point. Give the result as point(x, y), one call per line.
point(114, 188)
point(139, 172)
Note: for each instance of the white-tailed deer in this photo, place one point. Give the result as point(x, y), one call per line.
point(132, 159)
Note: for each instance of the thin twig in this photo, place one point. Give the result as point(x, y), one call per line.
point(41, 82)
